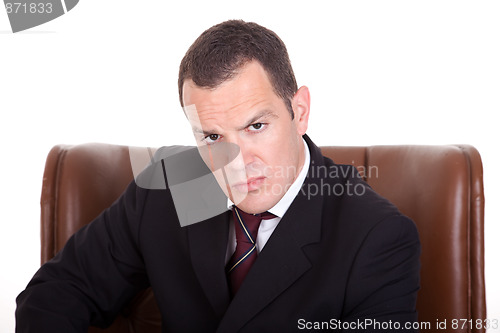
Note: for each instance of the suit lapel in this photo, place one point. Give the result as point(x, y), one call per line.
point(282, 260)
point(208, 244)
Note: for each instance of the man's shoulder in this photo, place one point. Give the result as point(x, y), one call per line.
point(359, 205)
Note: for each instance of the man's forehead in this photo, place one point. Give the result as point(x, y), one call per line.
point(249, 78)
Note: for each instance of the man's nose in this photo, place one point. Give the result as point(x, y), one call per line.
point(220, 155)
point(245, 156)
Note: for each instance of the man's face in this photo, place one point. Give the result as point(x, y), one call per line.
point(245, 111)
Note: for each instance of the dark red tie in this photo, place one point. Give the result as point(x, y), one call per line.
point(246, 227)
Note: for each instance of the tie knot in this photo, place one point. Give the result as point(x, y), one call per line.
point(247, 225)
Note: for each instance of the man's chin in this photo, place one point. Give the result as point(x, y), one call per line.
point(254, 204)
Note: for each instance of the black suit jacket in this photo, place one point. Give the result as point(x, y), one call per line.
point(341, 257)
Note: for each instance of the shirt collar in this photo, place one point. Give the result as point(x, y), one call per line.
point(282, 206)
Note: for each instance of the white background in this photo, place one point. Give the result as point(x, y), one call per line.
point(380, 72)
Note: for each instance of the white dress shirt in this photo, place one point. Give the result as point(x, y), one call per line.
point(267, 227)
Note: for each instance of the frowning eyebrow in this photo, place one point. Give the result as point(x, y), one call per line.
point(259, 116)
point(198, 130)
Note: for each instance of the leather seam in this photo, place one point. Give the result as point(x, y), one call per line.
point(57, 184)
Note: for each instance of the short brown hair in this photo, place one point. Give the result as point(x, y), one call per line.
point(218, 53)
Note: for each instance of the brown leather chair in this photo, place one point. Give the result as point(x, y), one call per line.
point(439, 187)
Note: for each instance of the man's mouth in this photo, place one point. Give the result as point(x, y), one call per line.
point(251, 184)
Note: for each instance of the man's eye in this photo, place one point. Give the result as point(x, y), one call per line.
point(256, 126)
point(212, 138)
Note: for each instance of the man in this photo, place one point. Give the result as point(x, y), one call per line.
point(284, 258)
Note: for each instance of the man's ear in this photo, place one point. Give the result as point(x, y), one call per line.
point(301, 103)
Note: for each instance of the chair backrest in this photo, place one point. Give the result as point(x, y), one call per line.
point(439, 187)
